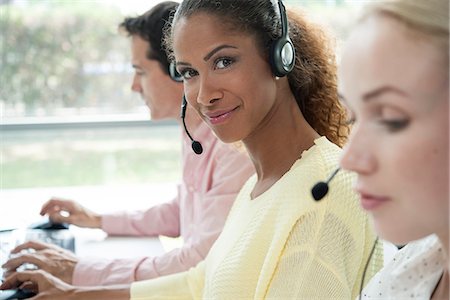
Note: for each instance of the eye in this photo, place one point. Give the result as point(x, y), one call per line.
point(396, 125)
point(224, 62)
point(188, 73)
point(139, 72)
point(393, 119)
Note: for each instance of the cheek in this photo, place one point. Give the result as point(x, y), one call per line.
point(422, 168)
point(190, 93)
point(147, 83)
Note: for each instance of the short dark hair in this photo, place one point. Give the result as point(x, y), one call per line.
point(150, 27)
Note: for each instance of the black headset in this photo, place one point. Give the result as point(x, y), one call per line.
point(282, 51)
point(174, 73)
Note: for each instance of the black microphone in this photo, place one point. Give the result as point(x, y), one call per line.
point(320, 189)
point(196, 146)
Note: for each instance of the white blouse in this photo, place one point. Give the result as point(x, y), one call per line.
point(413, 273)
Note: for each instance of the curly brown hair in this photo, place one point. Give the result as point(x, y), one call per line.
point(313, 80)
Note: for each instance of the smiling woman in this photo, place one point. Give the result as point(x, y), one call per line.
point(274, 226)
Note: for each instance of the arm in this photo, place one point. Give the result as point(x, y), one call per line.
point(163, 219)
point(160, 219)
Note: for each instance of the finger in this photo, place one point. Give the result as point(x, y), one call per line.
point(57, 204)
point(18, 278)
point(10, 282)
point(16, 262)
point(59, 218)
point(30, 286)
point(32, 245)
point(49, 205)
point(8, 273)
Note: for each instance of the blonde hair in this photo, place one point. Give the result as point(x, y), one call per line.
point(429, 18)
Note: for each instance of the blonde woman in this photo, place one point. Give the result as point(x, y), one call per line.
point(395, 83)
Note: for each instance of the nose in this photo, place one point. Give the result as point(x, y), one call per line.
point(358, 154)
point(136, 84)
point(209, 92)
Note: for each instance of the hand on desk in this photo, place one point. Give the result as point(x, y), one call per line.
point(53, 259)
point(77, 214)
point(40, 282)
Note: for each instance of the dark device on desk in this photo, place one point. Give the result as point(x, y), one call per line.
point(48, 224)
point(51, 232)
point(16, 294)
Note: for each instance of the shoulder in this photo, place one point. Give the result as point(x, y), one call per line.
point(314, 165)
point(341, 202)
point(417, 253)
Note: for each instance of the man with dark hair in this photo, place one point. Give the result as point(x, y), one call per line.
point(209, 184)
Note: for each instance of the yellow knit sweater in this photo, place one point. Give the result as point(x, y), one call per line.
point(283, 244)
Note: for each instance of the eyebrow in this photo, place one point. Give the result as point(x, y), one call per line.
point(136, 66)
point(385, 89)
point(377, 92)
point(209, 55)
point(217, 49)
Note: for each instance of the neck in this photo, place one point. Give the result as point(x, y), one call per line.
point(278, 142)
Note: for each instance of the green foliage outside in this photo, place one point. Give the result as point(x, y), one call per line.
point(84, 157)
point(58, 54)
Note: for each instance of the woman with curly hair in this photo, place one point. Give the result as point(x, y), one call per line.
point(277, 242)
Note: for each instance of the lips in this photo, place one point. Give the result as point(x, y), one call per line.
point(220, 116)
point(371, 202)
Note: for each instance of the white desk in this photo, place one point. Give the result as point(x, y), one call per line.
point(95, 243)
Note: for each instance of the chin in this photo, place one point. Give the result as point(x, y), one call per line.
point(399, 235)
point(156, 117)
point(226, 138)
point(227, 141)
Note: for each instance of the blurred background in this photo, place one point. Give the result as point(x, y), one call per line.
point(70, 124)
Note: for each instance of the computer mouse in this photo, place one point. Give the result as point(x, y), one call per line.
point(48, 225)
point(16, 294)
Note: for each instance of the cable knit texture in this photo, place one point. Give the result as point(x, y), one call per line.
point(283, 244)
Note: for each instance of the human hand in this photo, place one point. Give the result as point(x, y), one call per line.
point(68, 211)
point(50, 258)
point(45, 285)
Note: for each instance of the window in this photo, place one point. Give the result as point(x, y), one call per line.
point(69, 120)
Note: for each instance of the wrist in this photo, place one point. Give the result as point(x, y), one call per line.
point(114, 292)
point(97, 221)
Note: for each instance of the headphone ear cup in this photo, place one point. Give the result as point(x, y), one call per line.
point(174, 73)
point(282, 56)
